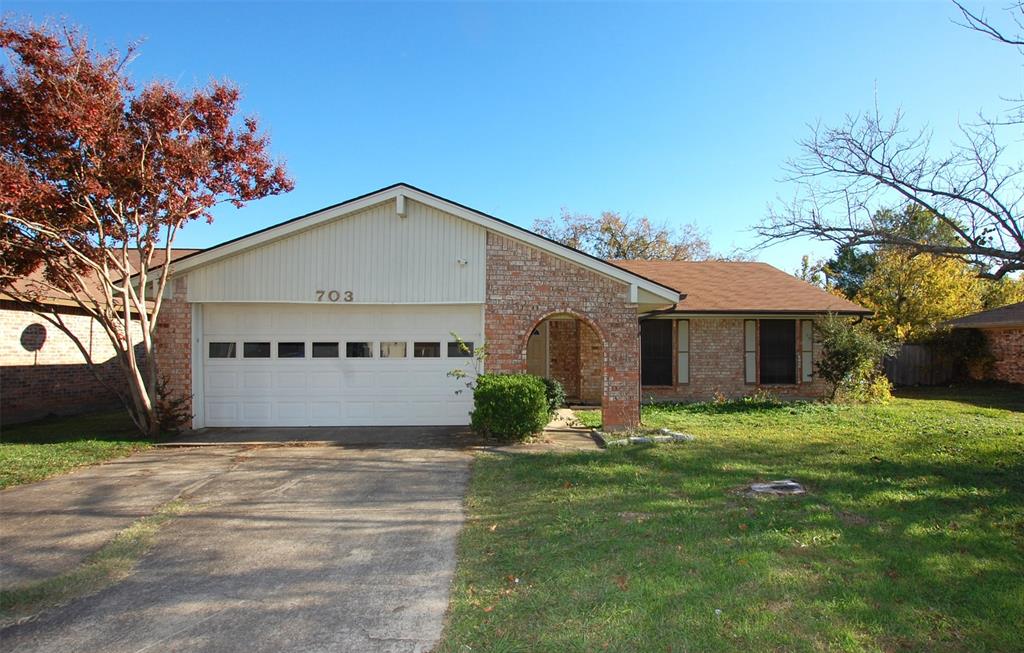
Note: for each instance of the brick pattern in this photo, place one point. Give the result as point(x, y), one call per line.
point(590, 365)
point(526, 285)
point(717, 367)
point(564, 356)
point(173, 345)
point(1007, 347)
point(42, 371)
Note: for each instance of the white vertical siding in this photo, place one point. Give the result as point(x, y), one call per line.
point(376, 255)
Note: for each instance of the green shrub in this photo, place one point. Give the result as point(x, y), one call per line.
point(852, 360)
point(509, 406)
point(555, 394)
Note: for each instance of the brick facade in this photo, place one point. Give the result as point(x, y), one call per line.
point(42, 371)
point(717, 367)
point(1007, 347)
point(173, 346)
point(526, 285)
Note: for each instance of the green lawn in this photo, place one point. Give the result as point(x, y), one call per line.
point(911, 538)
point(34, 451)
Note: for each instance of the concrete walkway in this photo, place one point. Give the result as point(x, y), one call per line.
point(288, 549)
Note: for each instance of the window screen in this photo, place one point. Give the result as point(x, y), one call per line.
point(656, 352)
point(358, 350)
point(778, 351)
point(457, 351)
point(256, 350)
point(325, 350)
point(291, 350)
point(426, 350)
point(222, 350)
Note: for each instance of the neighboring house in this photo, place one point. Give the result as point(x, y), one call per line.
point(1004, 330)
point(345, 316)
point(42, 371)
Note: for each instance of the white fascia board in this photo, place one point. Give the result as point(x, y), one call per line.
point(393, 193)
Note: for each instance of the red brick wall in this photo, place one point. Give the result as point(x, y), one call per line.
point(174, 342)
point(526, 285)
point(42, 371)
point(590, 365)
point(564, 355)
point(1007, 347)
point(717, 367)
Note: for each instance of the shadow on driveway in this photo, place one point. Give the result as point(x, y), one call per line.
point(394, 437)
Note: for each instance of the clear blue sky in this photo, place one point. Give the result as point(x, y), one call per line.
point(682, 112)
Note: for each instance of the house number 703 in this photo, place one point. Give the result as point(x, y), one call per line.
point(333, 296)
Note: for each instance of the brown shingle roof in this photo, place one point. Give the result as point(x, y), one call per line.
point(740, 287)
point(36, 280)
point(1011, 315)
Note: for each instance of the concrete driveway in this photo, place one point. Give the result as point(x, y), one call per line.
point(313, 548)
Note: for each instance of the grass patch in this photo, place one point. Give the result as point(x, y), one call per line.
point(911, 536)
point(103, 568)
point(37, 450)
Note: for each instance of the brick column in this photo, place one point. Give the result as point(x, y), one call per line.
point(173, 343)
point(526, 285)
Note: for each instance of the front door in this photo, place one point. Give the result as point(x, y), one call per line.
point(537, 351)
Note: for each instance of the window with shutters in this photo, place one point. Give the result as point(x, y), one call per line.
point(656, 352)
point(777, 351)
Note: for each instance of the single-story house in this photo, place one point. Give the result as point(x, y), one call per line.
point(349, 316)
point(42, 371)
point(1004, 331)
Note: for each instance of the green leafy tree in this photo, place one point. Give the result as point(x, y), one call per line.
point(912, 295)
point(848, 269)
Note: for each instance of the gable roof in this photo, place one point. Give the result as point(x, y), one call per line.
point(398, 193)
point(1011, 315)
point(741, 287)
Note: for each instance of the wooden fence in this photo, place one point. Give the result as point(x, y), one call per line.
point(919, 365)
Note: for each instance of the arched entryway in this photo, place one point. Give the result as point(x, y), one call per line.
point(569, 350)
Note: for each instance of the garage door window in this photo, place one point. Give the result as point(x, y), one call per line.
point(460, 350)
point(325, 350)
point(358, 350)
point(291, 350)
point(256, 350)
point(392, 349)
point(426, 350)
point(222, 350)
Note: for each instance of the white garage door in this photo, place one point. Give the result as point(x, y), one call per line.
point(327, 365)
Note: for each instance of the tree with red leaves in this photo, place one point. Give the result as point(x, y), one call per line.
point(97, 179)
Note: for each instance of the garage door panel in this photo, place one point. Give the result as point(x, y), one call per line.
point(258, 380)
point(221, 380)
point(293, 380)
point(257, 412)
point(335, 391)
point(221, 413)
point(325, 412)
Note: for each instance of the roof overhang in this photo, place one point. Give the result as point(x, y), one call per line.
point(642, 289)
